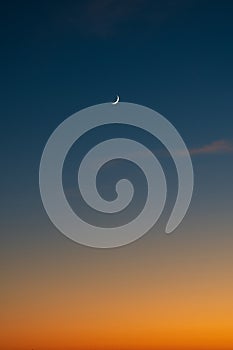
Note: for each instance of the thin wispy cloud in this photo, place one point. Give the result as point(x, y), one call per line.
point(108, 18)
point(101, 18)
point(215, 147)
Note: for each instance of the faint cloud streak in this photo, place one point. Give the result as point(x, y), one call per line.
point(109, 18)
point(215, 147)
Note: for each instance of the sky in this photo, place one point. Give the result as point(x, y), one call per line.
point(160, 292)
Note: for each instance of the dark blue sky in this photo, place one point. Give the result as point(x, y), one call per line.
point(59, 57)
point(173, 56)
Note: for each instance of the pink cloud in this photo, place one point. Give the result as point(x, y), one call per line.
point(215, 147)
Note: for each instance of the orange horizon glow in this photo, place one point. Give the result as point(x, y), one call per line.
point(173, 297)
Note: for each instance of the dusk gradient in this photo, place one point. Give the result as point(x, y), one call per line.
point(161, 292)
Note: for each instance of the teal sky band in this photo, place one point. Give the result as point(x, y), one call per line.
point(61, 140)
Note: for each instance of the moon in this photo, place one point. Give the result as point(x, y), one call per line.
point(117, 100)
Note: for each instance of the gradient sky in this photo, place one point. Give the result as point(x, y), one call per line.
point(161, 292)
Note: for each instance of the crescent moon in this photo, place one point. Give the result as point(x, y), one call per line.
point(117, 100)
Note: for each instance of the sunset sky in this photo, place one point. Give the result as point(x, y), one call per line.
point(162, 292)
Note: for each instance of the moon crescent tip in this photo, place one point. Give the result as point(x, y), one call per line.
point(117, 100)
